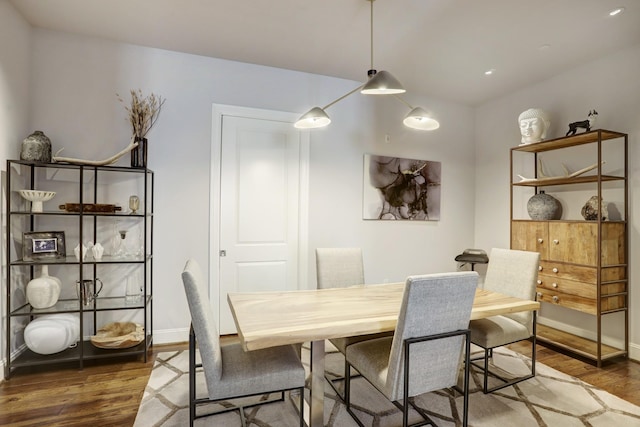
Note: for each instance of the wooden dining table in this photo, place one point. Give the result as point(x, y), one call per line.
point(269, 319)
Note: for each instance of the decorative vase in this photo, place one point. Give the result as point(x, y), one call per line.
point(43, 291)
point(139, 154)
point(590, 209)
point(542, 206)
point(36, 148)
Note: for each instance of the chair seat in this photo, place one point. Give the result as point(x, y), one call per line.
point(496, 331)
point(342, 343)
point(249, 372)
point(372, 359)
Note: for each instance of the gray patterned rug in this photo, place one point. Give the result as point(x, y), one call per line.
point(550, 399)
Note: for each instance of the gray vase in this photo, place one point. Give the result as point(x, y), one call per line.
point(544, 207)
point(36, 148)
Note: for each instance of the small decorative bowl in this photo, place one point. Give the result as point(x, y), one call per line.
point(36, 197)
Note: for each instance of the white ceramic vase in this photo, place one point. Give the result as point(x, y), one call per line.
point(43, 291)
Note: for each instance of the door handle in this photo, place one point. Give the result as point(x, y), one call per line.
point(223, 253)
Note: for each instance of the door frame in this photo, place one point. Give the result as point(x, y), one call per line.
point(219, 111)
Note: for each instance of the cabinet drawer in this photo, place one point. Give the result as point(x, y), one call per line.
point(582, 289)
point(559, 285)
point(574, 302)
point(580, 303)
point(578, 273)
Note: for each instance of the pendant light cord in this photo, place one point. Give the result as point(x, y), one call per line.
point(371, 1)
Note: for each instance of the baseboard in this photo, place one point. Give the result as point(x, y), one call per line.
point(634, 349)
point(170, 336)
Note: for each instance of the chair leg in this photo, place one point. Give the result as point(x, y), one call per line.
point(192, 377)
point(467, 362)
point(302, 407)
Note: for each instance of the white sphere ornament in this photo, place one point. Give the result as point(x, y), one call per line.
point(52, 333)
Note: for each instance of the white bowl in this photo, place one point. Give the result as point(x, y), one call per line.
point(36, 197)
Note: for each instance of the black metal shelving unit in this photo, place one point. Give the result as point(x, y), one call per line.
point(93, 186)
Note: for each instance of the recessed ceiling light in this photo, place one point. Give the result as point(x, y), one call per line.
point(616, 11)
point(489, 72)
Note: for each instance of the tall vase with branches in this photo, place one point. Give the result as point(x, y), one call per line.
point(142, 114)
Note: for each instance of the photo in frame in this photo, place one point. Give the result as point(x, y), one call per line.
point(37, 245)
point(401, 189)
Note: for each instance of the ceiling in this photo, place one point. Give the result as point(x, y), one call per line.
point(438, 48)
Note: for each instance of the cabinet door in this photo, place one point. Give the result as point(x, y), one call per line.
point(530, 236)
point(574, 242)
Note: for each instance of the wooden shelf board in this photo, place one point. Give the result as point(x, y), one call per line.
point(571, 141)
point(567, 180)
point(575, 344)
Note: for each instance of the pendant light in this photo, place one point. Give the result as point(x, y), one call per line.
point(379, 83)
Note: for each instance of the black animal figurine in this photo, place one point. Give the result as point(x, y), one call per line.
point(586, 124)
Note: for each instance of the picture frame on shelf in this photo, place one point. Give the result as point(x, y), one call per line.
point(43, 245)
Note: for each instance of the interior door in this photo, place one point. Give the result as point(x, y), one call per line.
point(259, 209)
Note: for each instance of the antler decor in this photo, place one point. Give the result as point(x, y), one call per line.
point(544, 177)
point(108, 161)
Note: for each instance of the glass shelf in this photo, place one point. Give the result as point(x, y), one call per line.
point(71, 259)
point(73, 306)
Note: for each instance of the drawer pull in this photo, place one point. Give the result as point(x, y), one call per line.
point(556, 241)
point(539, 282)
point(539, 268)
point(555, 285)
point(540, 240)
point(555, 298)
point(555, 269)
point(539, 294)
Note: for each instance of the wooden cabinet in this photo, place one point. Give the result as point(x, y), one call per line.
point(125, 233)
point(584, 263)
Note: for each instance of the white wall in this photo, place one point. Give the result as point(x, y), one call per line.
point(74, 81)
point(612, 87)
point(15, 51)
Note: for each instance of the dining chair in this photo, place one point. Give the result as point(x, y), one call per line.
point(229, 371)
point(514, 273)
point(340, 268)
point(430, 343)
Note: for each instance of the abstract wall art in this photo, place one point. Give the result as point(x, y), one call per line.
point(401, 189)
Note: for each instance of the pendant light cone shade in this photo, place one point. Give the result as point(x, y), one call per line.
point(419, 119)
point(382, 83)
point(314, 118)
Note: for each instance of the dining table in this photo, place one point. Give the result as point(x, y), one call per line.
point(270, 319)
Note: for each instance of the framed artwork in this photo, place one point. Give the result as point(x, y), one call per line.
point(401, 189)
point(38, 245)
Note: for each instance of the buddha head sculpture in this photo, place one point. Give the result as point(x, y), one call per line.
point(534, 124)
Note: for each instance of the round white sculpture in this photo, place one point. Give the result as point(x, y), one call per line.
point(43, 291)
point(534, 124)
point(36, 197)
point(52, 333)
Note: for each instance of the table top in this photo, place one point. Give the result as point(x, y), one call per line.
point(269, 319)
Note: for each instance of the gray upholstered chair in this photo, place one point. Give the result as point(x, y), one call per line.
point(229, 371)
point(431, 341)
point(510, 272)
point(340, 268)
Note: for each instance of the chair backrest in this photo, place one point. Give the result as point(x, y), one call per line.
point(339, 267)
point(202, 321)
point(431, 304)
point(515, 273)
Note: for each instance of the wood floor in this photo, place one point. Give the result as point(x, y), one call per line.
point(109, 394)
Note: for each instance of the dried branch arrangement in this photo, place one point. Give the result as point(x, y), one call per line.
point(143, 112)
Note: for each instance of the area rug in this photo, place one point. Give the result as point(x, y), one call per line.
point(548, 400)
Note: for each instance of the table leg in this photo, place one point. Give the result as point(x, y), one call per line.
point(316, 395)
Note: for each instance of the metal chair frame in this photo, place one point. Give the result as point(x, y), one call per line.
point(488, 354)
point(404, 407)
point(194, 402)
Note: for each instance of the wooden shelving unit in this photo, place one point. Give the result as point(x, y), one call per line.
point(584, 264)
